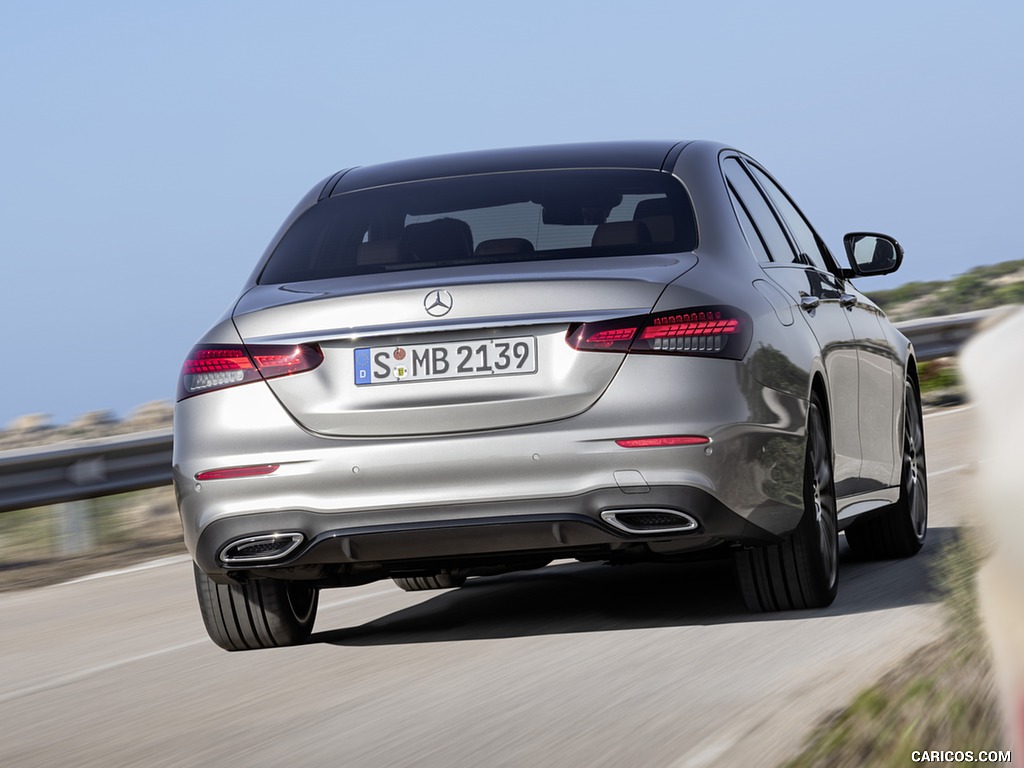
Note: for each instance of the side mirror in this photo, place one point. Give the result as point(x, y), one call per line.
point(871, 253)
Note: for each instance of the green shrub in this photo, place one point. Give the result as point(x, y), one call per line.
point(936, 375)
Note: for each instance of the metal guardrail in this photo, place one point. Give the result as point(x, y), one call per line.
point(87, 469)
point(935, 337)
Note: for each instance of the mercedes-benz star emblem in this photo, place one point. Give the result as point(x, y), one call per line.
point(438, 303)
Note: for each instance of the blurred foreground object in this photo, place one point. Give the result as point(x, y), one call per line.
point(994, 370)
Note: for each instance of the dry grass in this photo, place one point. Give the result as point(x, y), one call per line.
point(942, 697)
point(43, 546)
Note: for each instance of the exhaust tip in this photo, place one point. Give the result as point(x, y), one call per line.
point(650, 520)
point(261, 549)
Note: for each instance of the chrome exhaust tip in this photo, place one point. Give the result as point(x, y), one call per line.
point(261, 549)
point(650, 520)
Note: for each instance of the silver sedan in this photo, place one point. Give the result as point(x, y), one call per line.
point(482, 362)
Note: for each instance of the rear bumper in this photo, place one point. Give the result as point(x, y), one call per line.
point(555, 527)
point(536, 488)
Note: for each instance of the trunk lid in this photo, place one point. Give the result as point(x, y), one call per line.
point(495, 356)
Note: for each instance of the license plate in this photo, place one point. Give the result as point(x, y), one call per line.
point(449, 360)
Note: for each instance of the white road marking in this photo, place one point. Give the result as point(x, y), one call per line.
point(958, 468)
point(172, 560)
point(948, 411)
point(709, 752)
point(74, 677)
point(82, 674)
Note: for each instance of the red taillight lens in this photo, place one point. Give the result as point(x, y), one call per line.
point(283, 361)
point(210, 366)
point(608, 336)
point(709, 331)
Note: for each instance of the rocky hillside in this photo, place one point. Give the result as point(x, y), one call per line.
point(980, 288)
point(37, 429)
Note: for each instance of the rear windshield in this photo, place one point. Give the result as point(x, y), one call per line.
point(485, 219)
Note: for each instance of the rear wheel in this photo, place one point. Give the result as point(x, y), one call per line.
point(900, 530)
point(262, 613)
point(802, 571)
point(443, 580)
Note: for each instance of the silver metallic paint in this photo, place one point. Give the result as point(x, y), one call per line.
point(426, 451)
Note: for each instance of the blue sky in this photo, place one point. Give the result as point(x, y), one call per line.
point(147, 154)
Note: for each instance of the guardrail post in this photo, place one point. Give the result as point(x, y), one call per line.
point(75, 532)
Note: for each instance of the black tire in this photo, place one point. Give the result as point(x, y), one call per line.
point(444, 580)
point(900, 530)
point(802, 571)
point(263, 613)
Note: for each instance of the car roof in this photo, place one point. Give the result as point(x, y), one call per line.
point(652, 155)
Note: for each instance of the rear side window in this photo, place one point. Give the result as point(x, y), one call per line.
point(490, 218)
point(811, 246)
point(769, 230)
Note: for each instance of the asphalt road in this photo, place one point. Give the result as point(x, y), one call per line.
point(571, 665)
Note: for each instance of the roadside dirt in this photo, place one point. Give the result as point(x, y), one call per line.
point(39, 549)
point(41, 573)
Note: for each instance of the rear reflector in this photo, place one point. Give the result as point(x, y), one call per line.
point(228, 472)
point(209, 366)
point(718, 331)
point(661, 442)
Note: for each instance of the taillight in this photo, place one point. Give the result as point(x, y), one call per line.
point(717, 331)
point(215, 366)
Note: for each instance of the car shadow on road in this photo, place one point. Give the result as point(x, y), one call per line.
point(589, 597)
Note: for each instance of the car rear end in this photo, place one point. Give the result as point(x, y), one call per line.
point(482, 371)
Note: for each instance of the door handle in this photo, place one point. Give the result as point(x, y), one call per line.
point(848, 300)
point(808, 302)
